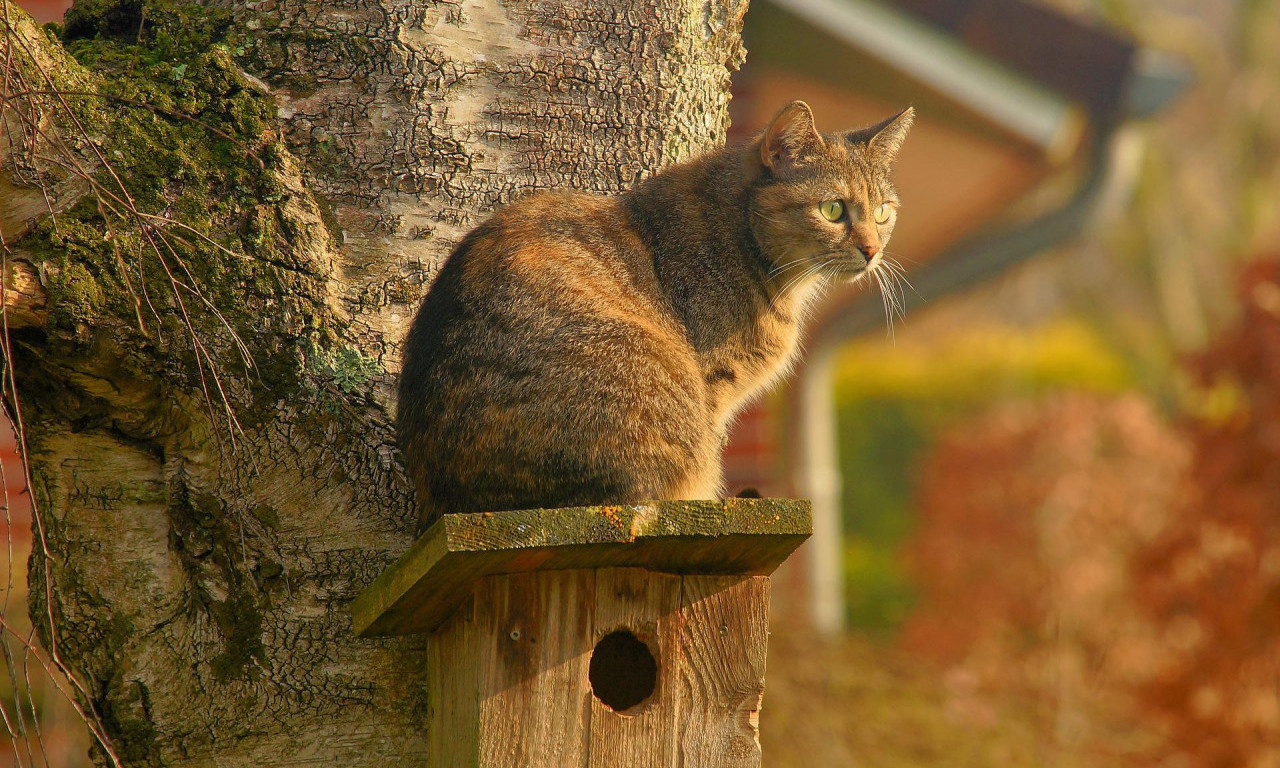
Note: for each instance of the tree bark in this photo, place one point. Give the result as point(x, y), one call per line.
point(204, 368)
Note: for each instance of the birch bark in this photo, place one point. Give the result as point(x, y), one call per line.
point(292, 188)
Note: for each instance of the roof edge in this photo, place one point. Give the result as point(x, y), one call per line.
point(1016, 103)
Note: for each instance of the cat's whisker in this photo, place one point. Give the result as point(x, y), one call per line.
point(792, 280)
point(817, 259)
point(895, 294)
point(901, 280)
point(777, 297)
point(901, 273)
point(787, 265)
point(884, 299)
point(887, 287)
point(892, 285)
point(769, 219)
point(893, 280)
point(894, 255)
point(835, 271)
point(809, 271)
point(896, 282)
point(897, 309)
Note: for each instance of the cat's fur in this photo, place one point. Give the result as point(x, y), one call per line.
point(578, 349)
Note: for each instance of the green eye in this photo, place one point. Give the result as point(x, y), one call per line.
point(882, 213)
point(831, 210)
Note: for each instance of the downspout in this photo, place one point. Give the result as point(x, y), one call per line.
point(819, 480)
point(979, 259)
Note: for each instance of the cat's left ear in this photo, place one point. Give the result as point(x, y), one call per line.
point(885, 138)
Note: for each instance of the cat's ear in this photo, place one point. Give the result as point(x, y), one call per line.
point(885, 138)
point(790, 138)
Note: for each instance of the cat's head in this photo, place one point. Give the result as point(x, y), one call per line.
point(824, 204)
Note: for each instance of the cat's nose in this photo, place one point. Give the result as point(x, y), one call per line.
point(869, 251)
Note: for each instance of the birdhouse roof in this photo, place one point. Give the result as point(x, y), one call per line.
point(731, 536)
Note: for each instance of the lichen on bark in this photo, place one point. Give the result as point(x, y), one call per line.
point(207, 404)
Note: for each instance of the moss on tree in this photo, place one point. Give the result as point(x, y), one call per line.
point(201, 227)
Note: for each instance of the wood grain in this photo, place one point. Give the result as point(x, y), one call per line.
point(733, 536)
point(536, 641)
point(507, 675)
point(648, 605)
point(509, 685)
point(453, 692)
point(724, 633)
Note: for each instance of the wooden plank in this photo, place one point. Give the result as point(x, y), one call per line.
point(732, 536)
point(724, 633)
point(648, 605)
point(453, 688)
point(533, 639)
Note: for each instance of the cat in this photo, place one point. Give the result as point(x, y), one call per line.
point(578, 349)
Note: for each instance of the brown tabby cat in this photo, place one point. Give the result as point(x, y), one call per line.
point(578, 349)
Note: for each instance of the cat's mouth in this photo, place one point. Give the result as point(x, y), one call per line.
point(852, 270)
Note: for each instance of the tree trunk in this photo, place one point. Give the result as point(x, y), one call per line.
point(205, 336)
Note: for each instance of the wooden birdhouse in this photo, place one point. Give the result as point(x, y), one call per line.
point(628, 637)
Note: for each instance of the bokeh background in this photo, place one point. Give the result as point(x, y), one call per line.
point(1048, 498)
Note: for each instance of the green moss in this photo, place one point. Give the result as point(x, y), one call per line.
point(267, 515)
point(143, 32)
point(102, 18)
point(128, 714)
point(240, 620)
point(346, 367)
point(76, 293)
point(188, 139)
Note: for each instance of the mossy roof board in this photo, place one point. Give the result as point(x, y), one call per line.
point(434, 577)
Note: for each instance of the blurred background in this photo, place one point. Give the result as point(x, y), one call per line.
point(1047, 500)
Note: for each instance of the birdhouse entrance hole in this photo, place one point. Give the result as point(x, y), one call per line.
point(623, 671)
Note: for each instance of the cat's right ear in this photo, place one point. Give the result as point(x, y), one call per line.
point(790, 138)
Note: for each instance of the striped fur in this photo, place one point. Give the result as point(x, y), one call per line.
point(578, 349)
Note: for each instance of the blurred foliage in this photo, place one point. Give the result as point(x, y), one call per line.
point(1207, 195)
point(982, 362)
point(1210, 584)
point(1091, 525)
point(1031, 517)
point(833, 703)
point(892, 399)
point(1120, 573)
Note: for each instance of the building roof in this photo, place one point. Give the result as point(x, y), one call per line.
point(1086, 63)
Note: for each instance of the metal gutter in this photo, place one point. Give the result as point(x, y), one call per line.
point(818, 475)
point(1028, 110)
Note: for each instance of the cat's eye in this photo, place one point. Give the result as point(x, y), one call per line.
point(831, 210)
point(882, 213)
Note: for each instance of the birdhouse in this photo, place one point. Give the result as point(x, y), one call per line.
point(627, 636)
